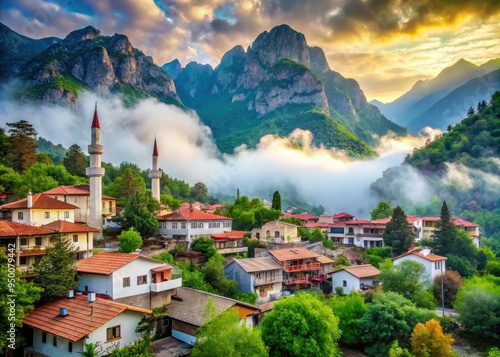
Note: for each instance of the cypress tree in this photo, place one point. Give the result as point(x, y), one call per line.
point(398, 233)
point(276, 201)
point(445, 232)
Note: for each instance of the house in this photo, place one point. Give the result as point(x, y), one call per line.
point(277, 232)
point(79, 195)
point(355, 278)
point(229, 242)
point(187, 312)
point(37, 210)
point(434, 264)
point(263, 276)
point(128, 278)
point(62, 327)
point(426, 226)
point(306, 217)
point(188, 223)
point(342, 217)
point(32, 242)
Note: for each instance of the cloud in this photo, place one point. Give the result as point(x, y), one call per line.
point(187, 151)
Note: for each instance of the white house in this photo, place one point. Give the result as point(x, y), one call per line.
point(128, 278)
point(434, 264)
point(62, 327)
point(355, 278)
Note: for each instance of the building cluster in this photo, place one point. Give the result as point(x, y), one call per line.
point(116, 290)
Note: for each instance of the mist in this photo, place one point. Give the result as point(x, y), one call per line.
point(187, 151)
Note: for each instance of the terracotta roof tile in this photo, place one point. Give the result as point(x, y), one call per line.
point(74, 190)
point(39, 201)
point(325, 260)
point(105, 263)
point(228, 235)
point(341, 214)
point(305, 216)
point(430, 256)
point(186, 214)
point(61, 226)
point(362, 271)
point(79, 322)
point(14, 229)
point(292, 254)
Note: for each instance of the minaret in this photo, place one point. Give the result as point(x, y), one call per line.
point(155, 175)
point(95, 172)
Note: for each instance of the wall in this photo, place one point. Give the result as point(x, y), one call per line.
point(431, 273)
point(62, 345)
point(132, 270)
point(184, 331)
point(97, 283)
point(235, 272)
point(352, 282)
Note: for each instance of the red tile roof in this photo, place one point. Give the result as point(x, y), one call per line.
point(362, 271)
point(357, 222)
point(305, 216)
point(39, 201)
point(69, 227)
point(430, 256)
point(105, 263)
point(341, 214)
point(317, 225)
point(14, 229)
point(292, 254)
point(325, 260)
point(186, 214)
point(461, 222)
point(79, 322)
point(75, 190)
point(228, 235)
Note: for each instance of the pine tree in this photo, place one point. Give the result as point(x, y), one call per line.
point(74, 161)
point(57, 270)
point(22, 145)
point(445, 232)
point(397, 233)
point(276, 204)
point(139, 212)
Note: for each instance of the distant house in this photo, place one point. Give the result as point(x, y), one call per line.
point(355, 278)
point(434, 264)
point(277, 232)
point(263, 276)
point(186, 312)
point(189, 223)
point(128, 278)
point(426, 226)
point(37, 210)
point(62, 327)
point(79, 195)
point(229, 242)
point(306, 217)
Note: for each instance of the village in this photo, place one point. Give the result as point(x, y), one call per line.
point(117, 290)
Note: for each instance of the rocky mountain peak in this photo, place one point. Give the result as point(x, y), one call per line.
point(87, 33)
point(173, 68)
point(121, 44)
point(234, 56)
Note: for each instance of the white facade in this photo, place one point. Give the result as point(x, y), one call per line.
point(432, 268)
point(194, 229)
point(349, 282)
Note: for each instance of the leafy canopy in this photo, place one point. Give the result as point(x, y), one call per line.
point(130, 240)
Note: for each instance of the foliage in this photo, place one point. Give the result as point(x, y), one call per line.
point(341, 261)
point(199, 192)
point(248, 214)
point(397, 351)
point(170, 201)
point(478, 307)
point(382, 210)
point(429, 340)
point(57, 269)
point(390, 317)
point(249, 298)
point(91, 350)
point(193, 278)
point(139, 212)
point(408, 278)
point(301, 325)
point(178, 189)
point(74, 161)
point(213, 273)
point(349, 309)
point(26, 295)
point(291, 220)
point(126, 185)
point(461, 265)
point(22, 145)
point(397, 233)
point(494, 352)
point(225, 335)
point(137, 349)
point(164, 257)
point(204, 245)
point(130, 240)
point(4, 148)
point(452, 282)
point(276, 203)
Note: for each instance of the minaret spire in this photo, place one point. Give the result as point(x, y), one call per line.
point(95, 172)
point(155, 174)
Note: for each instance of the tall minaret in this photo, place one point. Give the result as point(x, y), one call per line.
point(155, 174)
point(95, 172)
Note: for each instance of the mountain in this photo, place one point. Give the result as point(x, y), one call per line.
point(277, 85)
point(426, 93)
point(85, 59)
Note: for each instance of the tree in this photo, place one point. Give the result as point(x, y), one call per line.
point(204, 245)
point(470, 111)
point(445, 231)
point(397, 233)
point(213, 273)
point(408, 278)
point(225, 335)
point(22, 145)
point(397, 351)
point(4, 148)
point(126, 185)
point(276, 204)
point(429, 340)
point(301, 326)
point(452, 282)
point(199, 192)
point(382, 210)
point(57, 269)
point(74, 161)
point(26, 294)
point(478, 307)
point(349, 309)
point(139, 212)
point(390, 317)
point(130, 240)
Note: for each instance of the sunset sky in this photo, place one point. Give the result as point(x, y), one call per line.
point(386, 45)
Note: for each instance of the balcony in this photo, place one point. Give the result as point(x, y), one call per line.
point(234, 250)
point(30, 251)
point(299, 267)
point(268, 280)
point(166, 285)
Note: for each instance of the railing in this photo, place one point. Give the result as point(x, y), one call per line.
point(311, 266)
point(166, 285)
point(232, 250)
point(32, 251)
point(268, 280)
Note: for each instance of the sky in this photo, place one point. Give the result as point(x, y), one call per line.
point(386, 45)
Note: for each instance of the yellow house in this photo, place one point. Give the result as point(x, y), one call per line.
point(81, 236)
point(277, 232)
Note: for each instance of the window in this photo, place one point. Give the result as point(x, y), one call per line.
point(344, 283)
point(126, 282)
point(38, 240)
point(46, 215)
point(174, 225)
point(183, 225)
point(70, 347)
point(110, 206)
point(214, 225)
point(54, 340)
point(66, 214)
point(23, 241)
point(22, 261)
point(197, 225)
point(437, 265)
point(227, 224)
point(276, 234)
point(113, 333)
point(75, 238)
point(44, 337)
point(142, 279)
point(20, 215)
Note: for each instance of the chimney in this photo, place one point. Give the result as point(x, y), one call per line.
point(425, 251)
point(30, 199)
point(63, 312)
point(70, 294)
point(91, 296)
